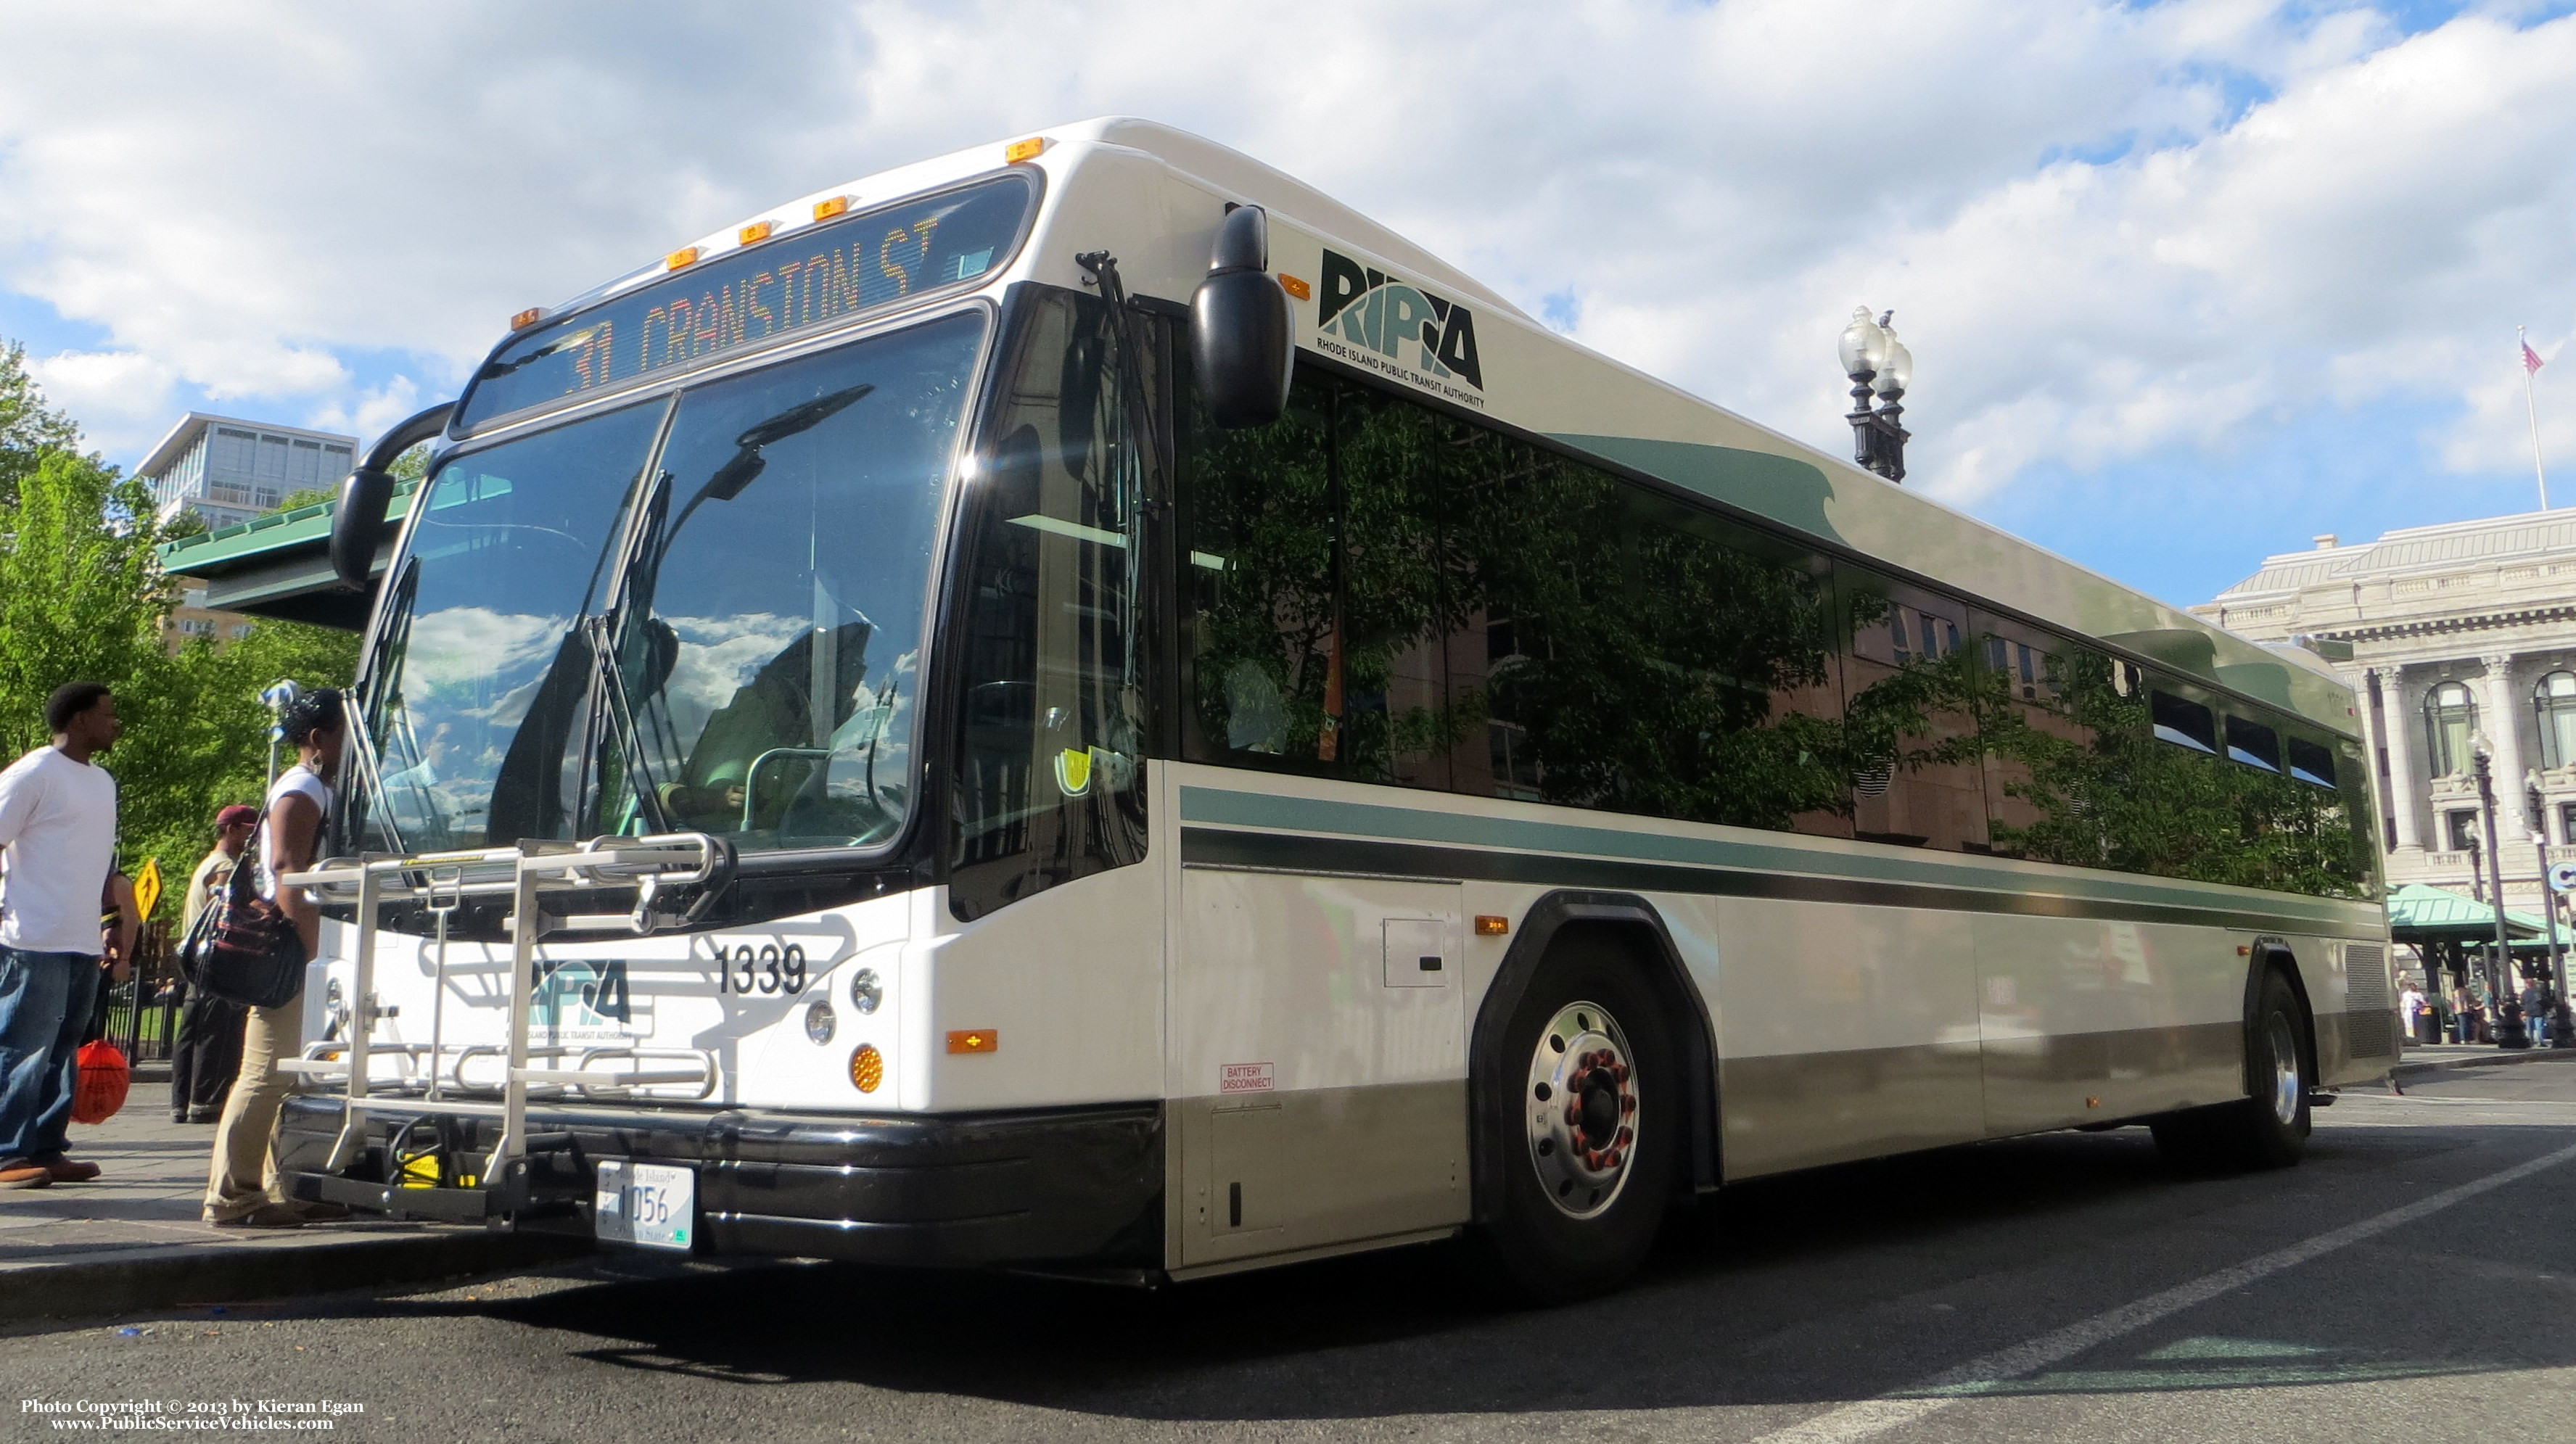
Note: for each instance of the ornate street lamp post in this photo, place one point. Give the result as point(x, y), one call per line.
point(2509, 1033)
point(1878, 364)
point(2562, 1028)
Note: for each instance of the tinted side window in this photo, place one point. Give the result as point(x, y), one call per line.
point(1317, 588)
point(2183, 722)
point(1910, 678)
point(2105, 785)
point(2253, 743)
point(1641, 656)
point(1379, 591)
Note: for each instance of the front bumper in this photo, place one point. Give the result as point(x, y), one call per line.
point(1070, 1186)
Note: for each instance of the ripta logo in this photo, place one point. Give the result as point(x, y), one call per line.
point(581, 994)
point(1370, 308)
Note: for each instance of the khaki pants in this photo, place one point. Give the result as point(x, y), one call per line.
point(245, 1170)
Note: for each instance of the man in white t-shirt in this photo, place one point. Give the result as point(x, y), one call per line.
point(57, 844)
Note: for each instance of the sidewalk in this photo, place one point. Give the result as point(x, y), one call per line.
point(132, 1240)
point(2422, 1060)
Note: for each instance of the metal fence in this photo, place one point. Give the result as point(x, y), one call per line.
point(143, 1011)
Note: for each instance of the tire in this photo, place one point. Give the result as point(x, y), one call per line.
point(1586, 1113)
point(2268, 1130)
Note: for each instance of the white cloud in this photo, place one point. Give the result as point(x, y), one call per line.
point(2107, 229)
point(121, 398)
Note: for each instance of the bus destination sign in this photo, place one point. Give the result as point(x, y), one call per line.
point(801, 280)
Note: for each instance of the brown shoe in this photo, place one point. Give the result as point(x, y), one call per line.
point(67, 1170)
point(317, 1211)
point(267, 1215)
point(19, 1173)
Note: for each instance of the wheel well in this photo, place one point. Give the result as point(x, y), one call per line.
point(2277, 958)
point(1637, 929)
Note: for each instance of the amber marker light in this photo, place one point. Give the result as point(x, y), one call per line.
point(1020, 150)
point(837, 205)
point(684, 256)
point(1490, 926)
point(527, 318)
point(973, 1040)
point(867, 1068)
point(756, 231)
point(1296, 288)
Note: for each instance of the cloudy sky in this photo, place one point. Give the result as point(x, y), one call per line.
point(2185, 282)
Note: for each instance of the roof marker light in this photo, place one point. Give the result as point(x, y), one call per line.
point(837, 205)
point(755, 232)
point(684, 256)
point(527, 318)
point(1020, 150)
point(1296, 288)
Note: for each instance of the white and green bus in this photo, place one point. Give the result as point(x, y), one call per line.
point(1081, 706)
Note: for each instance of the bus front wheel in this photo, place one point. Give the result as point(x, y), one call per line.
point(2268, 1129)
point(1587, 1119)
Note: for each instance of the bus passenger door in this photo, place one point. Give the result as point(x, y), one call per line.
point(1320, 1035)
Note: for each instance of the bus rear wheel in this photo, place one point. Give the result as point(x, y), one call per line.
point(1586, 1119)
point(2267, 1130)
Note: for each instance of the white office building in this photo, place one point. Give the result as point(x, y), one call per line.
point(228, 470)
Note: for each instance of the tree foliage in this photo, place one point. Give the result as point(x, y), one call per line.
point(83, 598)
point(29, 429)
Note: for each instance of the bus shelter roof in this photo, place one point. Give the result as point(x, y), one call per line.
point(2422, 913)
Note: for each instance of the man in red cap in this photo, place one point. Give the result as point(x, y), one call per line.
point(207, 1051)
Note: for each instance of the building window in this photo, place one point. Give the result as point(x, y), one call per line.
point(2450, 719)
point(2463, 826)
point(2554, 699)
point(2567, 822)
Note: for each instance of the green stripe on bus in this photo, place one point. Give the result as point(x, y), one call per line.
point(1227, 808)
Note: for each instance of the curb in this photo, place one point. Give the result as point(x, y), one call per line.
point(2406, 1072)
point(149, 1279)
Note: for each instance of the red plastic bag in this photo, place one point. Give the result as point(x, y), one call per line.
point(104, 1077)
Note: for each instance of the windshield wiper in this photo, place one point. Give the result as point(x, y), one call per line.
point(620, 710)
point(746, 463)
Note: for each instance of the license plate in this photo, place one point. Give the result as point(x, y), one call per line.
point(650, 1205)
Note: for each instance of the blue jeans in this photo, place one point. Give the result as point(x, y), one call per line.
point(45, 1000)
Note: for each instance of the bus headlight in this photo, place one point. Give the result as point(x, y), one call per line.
point(866, 990)
point(818, 1020)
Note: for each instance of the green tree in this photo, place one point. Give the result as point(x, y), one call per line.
point(82, 598)
point(28, 427)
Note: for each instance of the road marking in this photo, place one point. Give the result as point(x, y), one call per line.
point(1872, 1417)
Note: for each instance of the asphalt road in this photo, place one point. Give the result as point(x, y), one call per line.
point(2414, 1280)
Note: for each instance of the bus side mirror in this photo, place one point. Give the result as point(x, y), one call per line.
point(359, 516)
point(1240, 339)
point(357, 519)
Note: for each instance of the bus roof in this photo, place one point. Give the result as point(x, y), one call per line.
point(1518, 372)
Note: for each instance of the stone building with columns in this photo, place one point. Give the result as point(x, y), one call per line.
point(2445, 633)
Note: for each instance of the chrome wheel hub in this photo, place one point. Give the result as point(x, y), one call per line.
point(1580, 1102)
point(2285, 1070)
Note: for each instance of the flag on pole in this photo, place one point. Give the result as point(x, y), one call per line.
point(2531, 361)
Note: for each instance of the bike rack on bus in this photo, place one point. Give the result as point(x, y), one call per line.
point(527, 874)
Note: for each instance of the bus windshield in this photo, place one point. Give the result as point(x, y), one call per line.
point(484, 671)
point(766, 636)
point(769, 639)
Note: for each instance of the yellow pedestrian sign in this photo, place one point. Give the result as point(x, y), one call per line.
point(147, 887)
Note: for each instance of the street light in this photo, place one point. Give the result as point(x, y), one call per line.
point(2500, 966)
point(2562, 1026)
point(1880, 365)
